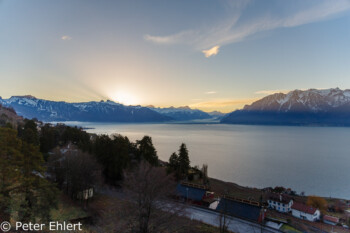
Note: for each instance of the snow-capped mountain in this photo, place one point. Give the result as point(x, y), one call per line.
point(217, 114)
point(312, 100)
point(182, 113)
point(319, 107)
point(103, 111)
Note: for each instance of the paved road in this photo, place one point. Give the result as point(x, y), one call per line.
point(207, 216)
point(234, 224)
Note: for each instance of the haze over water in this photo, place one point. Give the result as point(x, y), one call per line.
point(315, 160)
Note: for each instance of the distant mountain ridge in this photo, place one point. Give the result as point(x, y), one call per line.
point(183, 113)
point(309, 107)
point(103, 111)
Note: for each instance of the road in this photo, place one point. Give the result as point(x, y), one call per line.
point(234, 224)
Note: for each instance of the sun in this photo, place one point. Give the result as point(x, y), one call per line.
point(124, 97)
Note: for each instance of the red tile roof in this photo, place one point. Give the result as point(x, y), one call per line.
point(330, 219)
point(303, 208)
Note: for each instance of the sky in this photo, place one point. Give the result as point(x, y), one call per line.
point(210, 55)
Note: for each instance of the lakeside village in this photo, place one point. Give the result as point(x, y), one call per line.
point(276, 208)
point(62, 173)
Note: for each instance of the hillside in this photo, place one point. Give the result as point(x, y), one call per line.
point(8, 115)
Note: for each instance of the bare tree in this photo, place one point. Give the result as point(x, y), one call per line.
point(74, 171)
point(223, 219)
point(149, 189)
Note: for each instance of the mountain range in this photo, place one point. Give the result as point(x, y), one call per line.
point(298, 107)
point(103, 111)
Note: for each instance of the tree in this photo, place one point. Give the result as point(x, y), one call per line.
point(147, 151)
point(224, 221)
point(113, 154)
point(49, 138)
point(29, 133)
point(279, 189)
point(22, 180)
point(10, 163)
point(317, 202)
point(39, 195)
point(77, 136)
point(75, 170)
point(150, 209)
point(173, 165)
point(184, 161)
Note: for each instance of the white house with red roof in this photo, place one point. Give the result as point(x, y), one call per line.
point(280, 202)
point(302, 211)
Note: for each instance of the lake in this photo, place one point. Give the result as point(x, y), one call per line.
point(315, 160)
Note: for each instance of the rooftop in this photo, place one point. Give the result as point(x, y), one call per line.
point(330, 219)
point(303, 208)
point(191, 193)
point(239, 209)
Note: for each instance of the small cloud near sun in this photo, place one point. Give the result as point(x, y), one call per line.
point(65, 37)
point(210, 92)
point(211, 52)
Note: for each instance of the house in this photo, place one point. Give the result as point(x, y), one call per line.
point(214, 204)
point(280, 202)
point(86, 194)
point(302, 211)
point(240, 208)
point(330, 220)
point(191, 192)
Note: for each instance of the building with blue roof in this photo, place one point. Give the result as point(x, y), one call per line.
point(191, 192)
point(241, 209)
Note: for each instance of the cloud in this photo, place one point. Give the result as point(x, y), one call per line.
point(211, 52)
point(210, 38)
point(173, 39)
point(66, 37)
point(210, 92)
point(270, 92)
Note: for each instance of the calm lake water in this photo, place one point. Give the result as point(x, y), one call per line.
point(315, 160)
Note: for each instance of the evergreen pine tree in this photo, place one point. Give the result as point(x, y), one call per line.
point(147, 150)
point(184, 161)
point(10, 163)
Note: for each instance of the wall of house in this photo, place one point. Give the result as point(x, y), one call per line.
point(306, 216)
point(280, 206)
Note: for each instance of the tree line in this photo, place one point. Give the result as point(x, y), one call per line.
point(34, 166)
point(23, 188)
